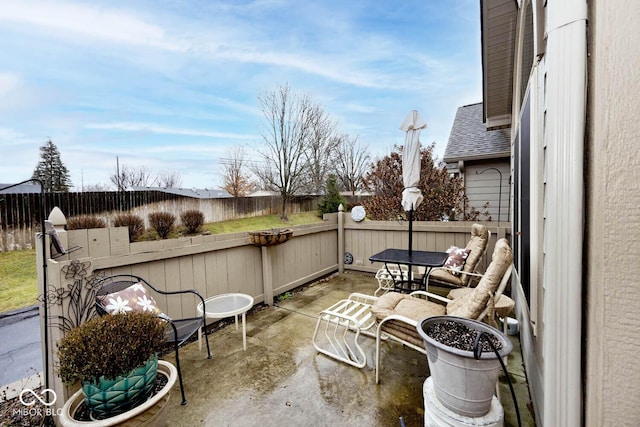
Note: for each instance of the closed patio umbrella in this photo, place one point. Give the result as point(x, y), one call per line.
point(411, 195)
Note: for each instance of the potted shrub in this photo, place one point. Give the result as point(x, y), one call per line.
point(463, 382)
point(114, 358)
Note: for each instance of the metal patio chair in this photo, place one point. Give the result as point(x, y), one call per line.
point(178, 330)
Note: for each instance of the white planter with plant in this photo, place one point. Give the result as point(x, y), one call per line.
point(114, 358)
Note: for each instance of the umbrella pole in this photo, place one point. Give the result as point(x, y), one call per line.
point(410, 232)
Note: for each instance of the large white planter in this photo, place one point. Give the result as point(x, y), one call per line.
point(462, 383)
point(151, 413)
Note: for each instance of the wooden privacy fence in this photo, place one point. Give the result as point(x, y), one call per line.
point(217, 264)
point(363, 239)
point(20, 213)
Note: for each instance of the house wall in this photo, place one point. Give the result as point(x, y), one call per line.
point(548, 145)
point(612, 327)
point(489, 187)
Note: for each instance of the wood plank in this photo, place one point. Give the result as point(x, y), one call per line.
point(98, 242)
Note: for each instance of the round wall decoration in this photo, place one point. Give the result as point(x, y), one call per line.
point(348, 258)
point(358, 213)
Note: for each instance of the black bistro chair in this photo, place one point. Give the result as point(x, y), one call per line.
point(130, 289)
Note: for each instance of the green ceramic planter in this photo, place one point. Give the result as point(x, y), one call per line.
point(108, 398)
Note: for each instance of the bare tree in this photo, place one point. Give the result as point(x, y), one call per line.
point(352, 162)
point(320, 151)
point(235, 181)
point(127, 176)
point(287, 129)
point(96, 187)
point(169, 179)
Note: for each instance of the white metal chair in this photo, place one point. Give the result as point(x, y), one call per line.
point(388, 276)
point(339, 327)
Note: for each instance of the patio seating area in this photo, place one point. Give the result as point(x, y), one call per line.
point(281, 379)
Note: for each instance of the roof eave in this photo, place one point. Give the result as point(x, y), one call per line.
point(498, 30)
point(473, 157)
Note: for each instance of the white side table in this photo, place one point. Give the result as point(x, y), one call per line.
point(227, 305)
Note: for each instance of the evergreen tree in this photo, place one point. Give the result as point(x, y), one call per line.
point(50, 170)
point(332, 198)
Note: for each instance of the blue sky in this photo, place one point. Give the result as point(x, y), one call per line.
point(172, 84)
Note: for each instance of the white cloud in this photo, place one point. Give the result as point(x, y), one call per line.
point(8, 135)
point(9, 82)
point(174, 82)
point(88, 21)
point(159, 129)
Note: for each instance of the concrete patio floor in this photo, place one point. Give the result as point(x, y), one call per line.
point(281, 380)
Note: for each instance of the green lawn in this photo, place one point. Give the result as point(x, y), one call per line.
point(261, 223)
point(18, 284)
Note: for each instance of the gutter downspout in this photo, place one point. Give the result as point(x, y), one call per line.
point(566, 64)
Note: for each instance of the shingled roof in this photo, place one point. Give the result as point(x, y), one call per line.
point(20, 188)
point(470, 139)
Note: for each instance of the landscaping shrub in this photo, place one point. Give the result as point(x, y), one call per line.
point(109, 346)
point(192, 220)
point(162, 222)
point(442, 193)
point(133, 222)
point(83, 222)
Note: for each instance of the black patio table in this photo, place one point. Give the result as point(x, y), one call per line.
point(427, 259)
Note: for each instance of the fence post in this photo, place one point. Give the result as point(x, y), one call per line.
point(267, 275)
point(59, 220)
point(341, 239)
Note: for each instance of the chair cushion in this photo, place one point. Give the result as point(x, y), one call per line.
point(460, 292)
point(456, 260)
point(444, 276)
point(403, 331)
point(503, 306)
point(408, 306)
point(405, 305)
point(476, 245)
point(133, 298)
point(473, 303)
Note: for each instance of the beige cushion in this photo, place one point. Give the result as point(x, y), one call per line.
point(503, 306)
point(440, 275)
point(477, 246)
point(473, 303)
point(405, 305)
point(408, 306)
point(403, 331)
point(459, 292)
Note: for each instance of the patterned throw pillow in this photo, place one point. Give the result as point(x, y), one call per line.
point(133, 298)
point(456, 260)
